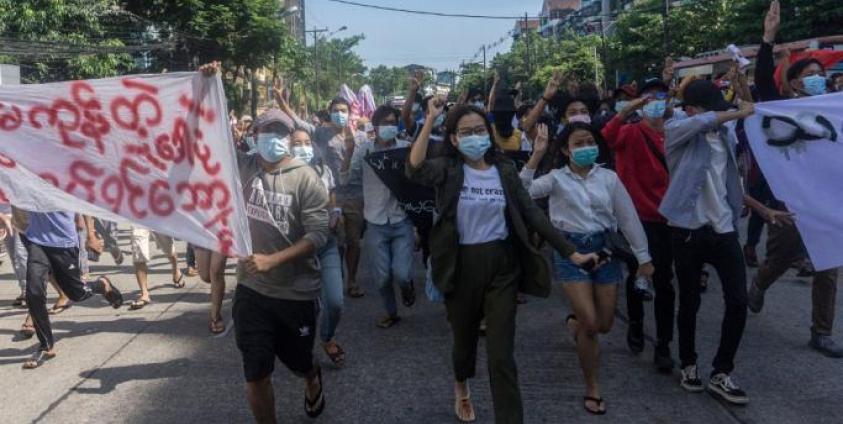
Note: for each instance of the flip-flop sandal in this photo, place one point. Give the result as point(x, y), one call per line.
point(179, 284)
point(27, 331)
point(216, 326)
point(113, 295)
point(389, 322)
point(315, 407)
point(459, 402)
point(38, 359)
point(408, 295)
point(356, 292)
point(337, 356)
point(57, 309)
point(598, 401)
point(138, 304)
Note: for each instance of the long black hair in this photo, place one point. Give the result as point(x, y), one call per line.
point(451, 126)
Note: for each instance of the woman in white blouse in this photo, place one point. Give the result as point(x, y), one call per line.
point(586, 203)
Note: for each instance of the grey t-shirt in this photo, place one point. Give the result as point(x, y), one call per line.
point(283, 207)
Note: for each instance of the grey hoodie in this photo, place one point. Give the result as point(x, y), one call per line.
point(283, 207)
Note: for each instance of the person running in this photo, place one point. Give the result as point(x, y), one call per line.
point(141, 257)
point(784, 243)
point(587, 202)
point(330, 145)
point(390, 236)
point(52, 246)
point(703, 204)
point(640, 164)
point(276, 303)
point(481, 252)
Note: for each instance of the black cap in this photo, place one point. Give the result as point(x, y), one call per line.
point(652, 83)
point(704, 94)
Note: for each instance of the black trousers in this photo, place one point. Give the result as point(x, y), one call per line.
point(63, 264)
point(664, 304)
point(692, 249)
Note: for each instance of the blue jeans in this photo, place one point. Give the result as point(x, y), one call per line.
point(332, 297)
point(390, 249)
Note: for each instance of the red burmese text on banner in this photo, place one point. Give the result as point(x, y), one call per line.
point(150, 149)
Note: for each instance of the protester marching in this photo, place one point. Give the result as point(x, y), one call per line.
point(446, 218)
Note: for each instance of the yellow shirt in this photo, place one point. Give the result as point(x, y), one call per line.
point(509, 144)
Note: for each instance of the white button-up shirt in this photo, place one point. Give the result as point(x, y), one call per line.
point(594, 204)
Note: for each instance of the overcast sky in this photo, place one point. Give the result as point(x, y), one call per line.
point(397, 39)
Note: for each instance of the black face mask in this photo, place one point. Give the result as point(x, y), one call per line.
point(503, 123)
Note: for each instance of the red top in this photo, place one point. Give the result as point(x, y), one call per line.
point(640, 171)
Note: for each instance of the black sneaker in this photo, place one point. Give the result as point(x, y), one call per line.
point(691, 379)
point(662, 360)
point(635, 337)
point(723, 386)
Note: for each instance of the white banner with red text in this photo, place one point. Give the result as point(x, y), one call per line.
point(154, 150)
point(799, 146)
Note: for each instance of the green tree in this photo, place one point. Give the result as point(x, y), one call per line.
point(62, 39)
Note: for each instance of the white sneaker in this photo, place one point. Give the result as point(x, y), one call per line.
point(724, 386)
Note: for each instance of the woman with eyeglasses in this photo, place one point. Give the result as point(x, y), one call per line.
point(481, 252)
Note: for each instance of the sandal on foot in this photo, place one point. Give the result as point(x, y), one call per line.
point(112, 295)
point(598, 401)
point(38, 359)
point(389, 321)
point(408, 295)
point(179, 284)
point(138, 304)
point(216, 326)
point(57, 309)
point(314, 408)
point(27, 331)
point(192, 272)
point(355, 292)
point(461, 402)
point(336, 355)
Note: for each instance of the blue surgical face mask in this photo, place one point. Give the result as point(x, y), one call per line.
point(585, 156)
point(474, 146)
point(305, 153)
point(387, 132)
point(439, 121)
point(479, 105)
point(815, 85)
point(250, 142)
point(416, 107)
point(620, 105)
point(339, 119)
point(272, 147)
point(655, 109)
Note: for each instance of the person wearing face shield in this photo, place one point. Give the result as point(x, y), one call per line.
point(640, 164)
point(390, 235)
point(481, 250)
point(276, 303)
point(784, 243)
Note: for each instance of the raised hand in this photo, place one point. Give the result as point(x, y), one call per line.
point(772, 22)
point(669, 70)
point(541, 143)
point(210, 69)
point(552, 86)
point(435, 107)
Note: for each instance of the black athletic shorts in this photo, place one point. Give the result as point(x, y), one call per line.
point(266, 328)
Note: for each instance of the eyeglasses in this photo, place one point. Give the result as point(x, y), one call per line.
point(478, 130)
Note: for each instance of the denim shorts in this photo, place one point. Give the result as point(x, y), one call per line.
point(567, 272)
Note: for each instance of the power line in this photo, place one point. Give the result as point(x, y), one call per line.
point(423, 12)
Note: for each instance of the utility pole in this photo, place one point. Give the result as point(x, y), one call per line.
point(485, 79)
point(315, 32)
point(665, 28)
point(526, 33)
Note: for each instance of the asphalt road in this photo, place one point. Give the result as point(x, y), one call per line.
point(161, 365)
